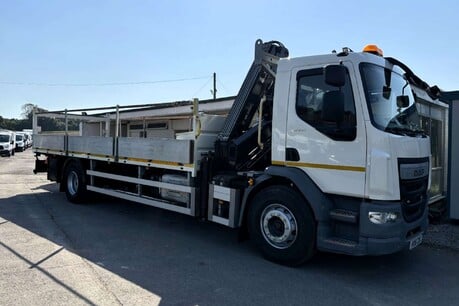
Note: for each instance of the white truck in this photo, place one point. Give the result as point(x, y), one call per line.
point(316, 153)
point(7, 143)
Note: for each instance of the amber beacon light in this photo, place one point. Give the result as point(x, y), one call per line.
point(373, 49)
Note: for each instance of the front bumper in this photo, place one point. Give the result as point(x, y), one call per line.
point(5, 152)
point(378, 239)
point(366, 238)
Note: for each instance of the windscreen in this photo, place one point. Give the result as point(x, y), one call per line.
point(382, 87)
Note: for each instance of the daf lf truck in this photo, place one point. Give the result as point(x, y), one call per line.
point(319, 152)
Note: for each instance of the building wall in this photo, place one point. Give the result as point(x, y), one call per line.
point(454, 163)
point(453, 166)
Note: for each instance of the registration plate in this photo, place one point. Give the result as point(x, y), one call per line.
point(414, 242)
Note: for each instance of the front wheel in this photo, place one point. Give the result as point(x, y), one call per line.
point(75, 182)
point(282, 226)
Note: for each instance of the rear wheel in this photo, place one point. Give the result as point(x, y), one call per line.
point(75, 182)
point(282, 226)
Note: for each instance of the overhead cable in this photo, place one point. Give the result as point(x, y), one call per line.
point(100, 84)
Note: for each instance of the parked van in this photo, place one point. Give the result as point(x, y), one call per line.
point(20, 142)
point(28, 137)
point(7, 143)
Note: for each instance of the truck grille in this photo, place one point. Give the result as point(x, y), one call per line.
point(414, 179)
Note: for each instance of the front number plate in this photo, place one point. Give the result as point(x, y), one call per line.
point(414, 242)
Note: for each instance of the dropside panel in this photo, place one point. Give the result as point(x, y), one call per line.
point(49, 142)
point(147, 149)
point(97, 146)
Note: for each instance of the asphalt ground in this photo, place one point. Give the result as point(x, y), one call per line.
point(114, 252)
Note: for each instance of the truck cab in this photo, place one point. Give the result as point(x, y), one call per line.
point(358, 144)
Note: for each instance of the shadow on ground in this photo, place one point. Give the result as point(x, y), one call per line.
point(188, 262)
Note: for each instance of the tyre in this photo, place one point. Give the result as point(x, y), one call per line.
point(282, 226)
point(75, 182)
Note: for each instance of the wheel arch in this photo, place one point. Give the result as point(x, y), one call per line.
point(318, 202)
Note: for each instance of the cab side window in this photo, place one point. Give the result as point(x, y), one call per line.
point(329, 109)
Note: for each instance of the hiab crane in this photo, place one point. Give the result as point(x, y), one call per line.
point(316, 153)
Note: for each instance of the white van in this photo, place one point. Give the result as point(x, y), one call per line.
point(7, 143)
point(27, 137)
point(20, 142)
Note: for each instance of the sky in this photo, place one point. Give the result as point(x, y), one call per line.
point(77, 53)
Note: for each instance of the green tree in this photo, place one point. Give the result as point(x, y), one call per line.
point(47, 124)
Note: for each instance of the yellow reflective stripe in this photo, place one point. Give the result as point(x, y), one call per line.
point(159, 162)
point(48, 151)
point(91, 154)
point(278, 163)
point(319, 166)
point(88, 155)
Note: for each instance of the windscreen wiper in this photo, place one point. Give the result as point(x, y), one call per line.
point(404, 131)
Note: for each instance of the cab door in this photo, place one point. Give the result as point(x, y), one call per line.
point(325, 132)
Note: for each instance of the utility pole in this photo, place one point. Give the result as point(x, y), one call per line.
point(215, 86)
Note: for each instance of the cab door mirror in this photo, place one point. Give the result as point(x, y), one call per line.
point(335, 75)
point(403, 101)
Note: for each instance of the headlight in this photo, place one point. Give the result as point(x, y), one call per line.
point(378, 217)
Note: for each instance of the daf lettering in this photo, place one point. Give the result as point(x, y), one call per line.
point(418, 172)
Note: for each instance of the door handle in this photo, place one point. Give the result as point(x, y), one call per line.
point(291, 154)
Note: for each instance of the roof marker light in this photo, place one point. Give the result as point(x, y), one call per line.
point(373, 49)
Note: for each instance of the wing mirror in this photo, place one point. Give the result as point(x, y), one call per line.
point(403, 101)
point(335, 75)
point(386, 92)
